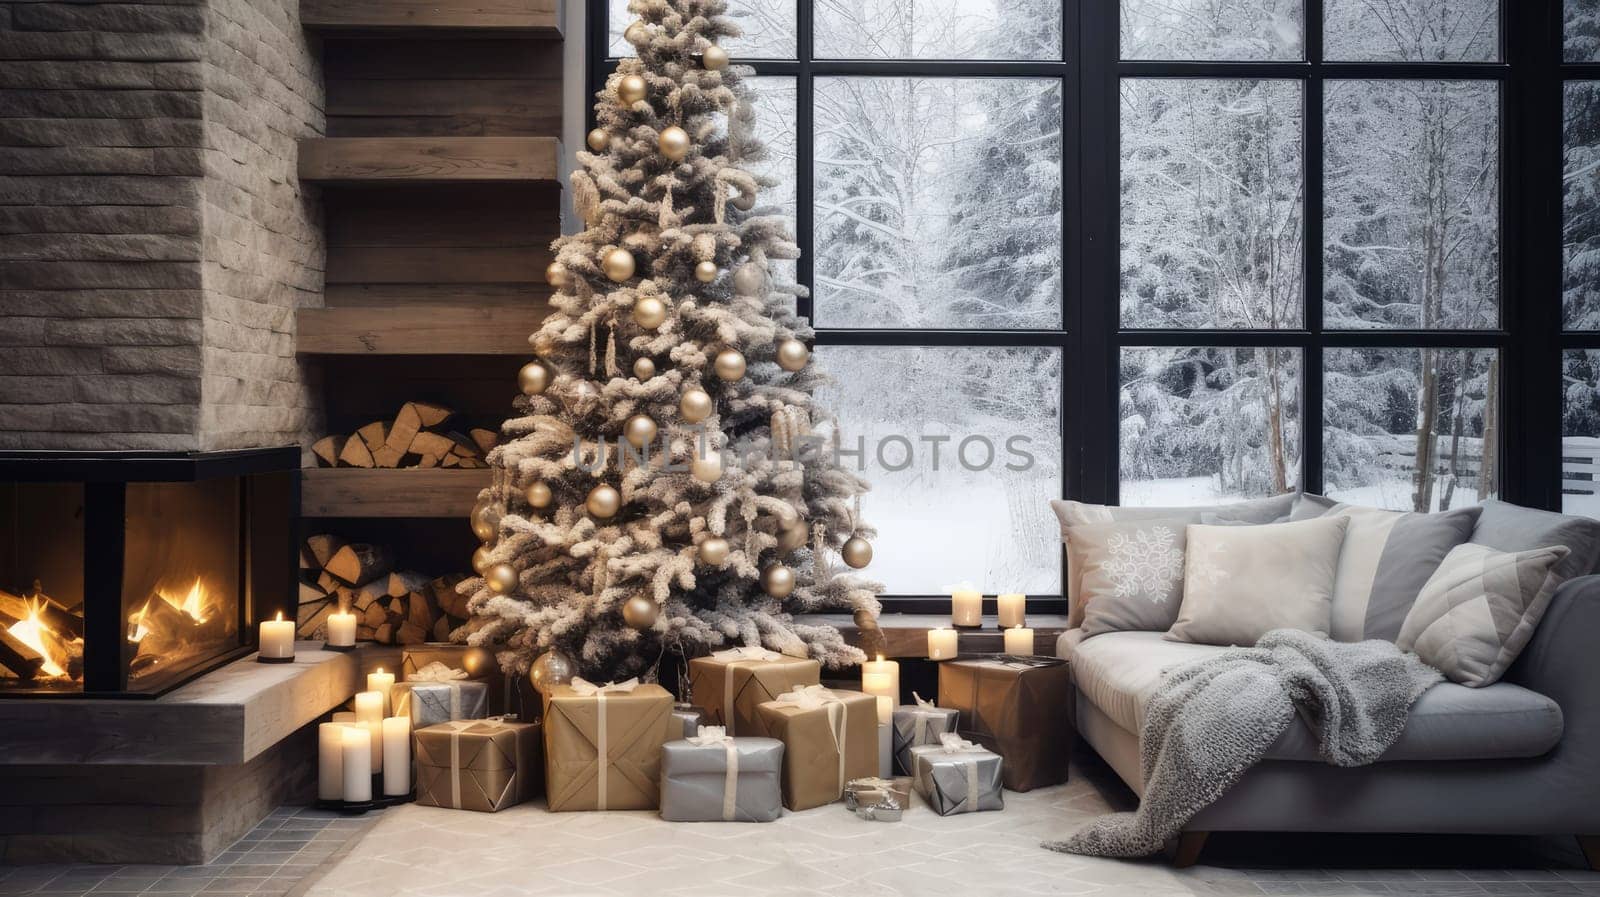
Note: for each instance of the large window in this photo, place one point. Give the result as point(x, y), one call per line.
point(1187, 251)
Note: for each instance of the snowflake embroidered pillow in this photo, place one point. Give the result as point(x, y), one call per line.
point(1131, 574)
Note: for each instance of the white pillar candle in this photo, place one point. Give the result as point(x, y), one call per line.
point(881, 677)
point(1012, 611)
point(277, 640)
point(966, 608)
point(885, 709)
point(342, 630)
point(1019, 640)
point(369, 713)
point(885, 750)
point(330, 761)
point(357, 763)
point(344, 716)
point(383, 684)
point(942, 643)
point(396, 756)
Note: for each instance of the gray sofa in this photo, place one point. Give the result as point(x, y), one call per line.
point(1521, 756)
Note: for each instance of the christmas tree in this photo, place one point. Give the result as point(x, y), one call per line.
point(666, 485)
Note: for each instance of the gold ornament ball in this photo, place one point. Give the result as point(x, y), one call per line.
point(707, 469)
point(603, 502)
point(486, 520)
point(696, 405)
point(555, 274)
point(477, 661)
point(534, 378)
point(749, 279)
point(480, 560)
point(778, 581)
point(714, 58)
point(538, 495)
point(637, 34)
point(730, 365)
point(502, 579)
point(640, 612)
point(598, 140)
point(639, 430)
point(705, 272)
point(714, 551)
point(618, 264)
point(550, 669)
point(631, 89)
point(673, 143)
point(793, 535)
point(793, 355)
point(857, 552)
point(649, 312)
point(644, 369)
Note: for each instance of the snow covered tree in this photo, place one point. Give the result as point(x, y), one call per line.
point(657, 490)
point(1581, 207)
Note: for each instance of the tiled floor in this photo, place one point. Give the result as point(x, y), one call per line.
point(275, 858)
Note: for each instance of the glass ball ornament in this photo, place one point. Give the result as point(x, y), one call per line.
point(598, 140)
point(550, 669)
point(793, 355)
point(477, 661)
point(557, 275)
point(639, 430)
point(534, 378)
point(749, 280)
point(730, 365)
point(673, 143)
point(714, 551)
point(485, 520)
point(639, 612)
point(649, 312)
point(778, 581)
point(705, 272)
point(603, 502)
point(644, 369)
point(714, 58)
point(480, 560)
point(538, 495)
point(618, 264)
point(707, 469)
point(857, 552)
point(631, 89)
point(695, 405)
point(501, 579)
point(637, 34)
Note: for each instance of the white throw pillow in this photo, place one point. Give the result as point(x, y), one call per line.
point(1241, 582)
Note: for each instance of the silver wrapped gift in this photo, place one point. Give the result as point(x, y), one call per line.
point(714, 777)
point(957, 776)
point(918, 724)
point(430, 703)
point(871, 792)
point(690, 716)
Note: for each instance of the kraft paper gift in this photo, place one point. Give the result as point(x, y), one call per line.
point(603, 744)
point(485, 765)
point(729, 684)
point(829, 737)
point(691, 717)
point(1017, 707)
point(957, 776)
point(918, 724)
point(438, 698)
point(714, 777)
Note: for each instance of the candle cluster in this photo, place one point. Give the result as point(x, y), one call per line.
point(966, 612)
point(360, 745)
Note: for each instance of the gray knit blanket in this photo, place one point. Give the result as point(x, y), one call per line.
point(1210, 721)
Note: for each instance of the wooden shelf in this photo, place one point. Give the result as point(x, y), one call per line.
point(907, 634)
point(402, 492)
point(428, 160)
point(418, 330)
point(498, 18)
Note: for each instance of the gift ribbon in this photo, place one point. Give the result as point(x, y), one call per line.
point(711, 735)
point(951, 743)
point(456, 728)
point(742, 657)
point(437, 672)
point(585, 688)
point(924, 732)
point(810, 697)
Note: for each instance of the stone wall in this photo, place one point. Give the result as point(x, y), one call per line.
point(154, 241)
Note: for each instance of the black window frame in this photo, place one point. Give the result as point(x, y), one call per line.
point(1531, 76)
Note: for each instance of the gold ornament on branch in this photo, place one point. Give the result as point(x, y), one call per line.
point(793, 355)
point(714, 58)
point(673, 143)
point(730, 365)
point(705, 272)
point(649, 312)
point(480, 560)
point(556, 275)
point(778, 581)
point(639, 430)
point(534, 378)
point(640, 612)
point(749, 280)
point(502, 579)
point(644, 369)
point(550, 669)
point(696, 405)
point(631, 89)
point(603, 502)
point(538, 495)
point(707, 469)
point(714, 551)
point(857, 552)
point(618, 264)
point(485, 520)
point(598, 140)
point(477, 661)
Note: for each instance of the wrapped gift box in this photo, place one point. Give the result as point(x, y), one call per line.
point(603, 745)
point(431, 703)
point(728, 685)
point(485, 765)
point(714, 777)
point(478, 663)
point(829, 737)
point(873, 792)
point(957, 776)
point(918, 724)
point(690, 717)
point(1017, 707)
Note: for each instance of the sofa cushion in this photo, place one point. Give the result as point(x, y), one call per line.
point(1119, 671)
point(1241, 582)
point(1508, 527)
point(1130, 574)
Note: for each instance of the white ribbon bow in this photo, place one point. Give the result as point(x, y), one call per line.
point(808, 697)
point(710, 735)
point(744, 652)
point(585, 688)
point(951, 743)
point(714, 735)
point(923, 702)
point(437, 672)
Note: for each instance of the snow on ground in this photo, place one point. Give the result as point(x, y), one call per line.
point(1189, 491)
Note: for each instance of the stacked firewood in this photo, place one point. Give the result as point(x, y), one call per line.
point(393, 607)
point(417, 437)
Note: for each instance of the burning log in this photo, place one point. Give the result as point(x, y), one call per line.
point(51, 612)
point(19, 657)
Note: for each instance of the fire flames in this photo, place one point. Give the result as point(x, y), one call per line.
point(195, 605)
point(30, 631)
